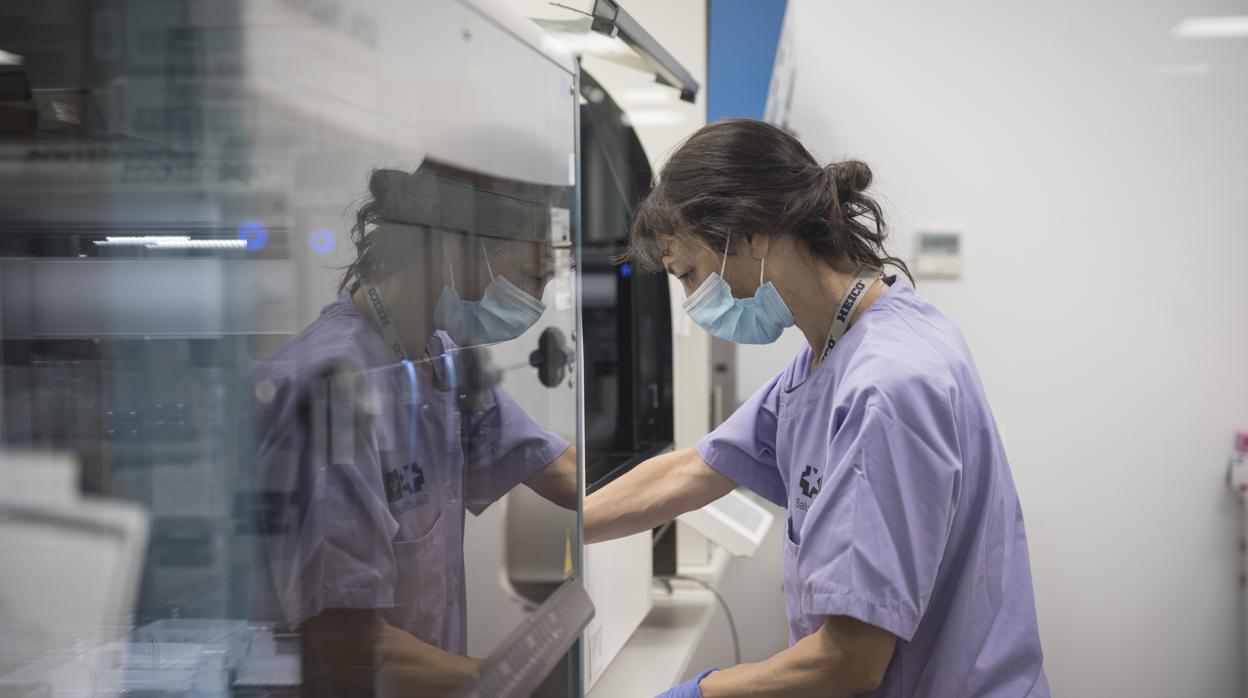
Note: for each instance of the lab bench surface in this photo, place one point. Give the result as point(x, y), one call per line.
point(658, 654)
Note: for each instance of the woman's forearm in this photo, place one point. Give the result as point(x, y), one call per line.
point(651, 494)
point(842, 658)
point(408, 666)
point(357, 652)
point(557, 481)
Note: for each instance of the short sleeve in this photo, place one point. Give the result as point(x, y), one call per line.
point(503, 447)
point(875, 534)
point(743, 448)
point(325, 524)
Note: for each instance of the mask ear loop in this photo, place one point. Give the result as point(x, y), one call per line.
point(452, 266)
point(762, 264)
point(724, 264)
point(487, 260)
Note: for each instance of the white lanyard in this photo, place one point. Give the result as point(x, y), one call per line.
point(385, 322)
point(840, 322)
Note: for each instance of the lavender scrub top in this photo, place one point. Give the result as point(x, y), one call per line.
point(372, 508)
point(902, 512)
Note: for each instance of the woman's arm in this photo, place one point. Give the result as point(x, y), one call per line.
point(557, 481)
point(358, 653)
point(843, 657)
point(653, 493)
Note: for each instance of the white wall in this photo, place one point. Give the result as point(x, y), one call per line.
point(1105, 291)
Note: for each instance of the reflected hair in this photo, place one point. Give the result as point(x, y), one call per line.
point(380, 250)
point(736, 178)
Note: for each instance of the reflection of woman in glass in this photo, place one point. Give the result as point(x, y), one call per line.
point(379, 432)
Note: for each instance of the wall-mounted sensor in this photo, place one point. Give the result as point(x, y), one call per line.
point(938, 254)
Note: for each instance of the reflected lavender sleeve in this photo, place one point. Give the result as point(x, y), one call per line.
point(743, 448)
point(503, 447)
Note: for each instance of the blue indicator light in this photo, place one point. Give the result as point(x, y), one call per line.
point(256, 235)
point(321, 241)
point(626, 270)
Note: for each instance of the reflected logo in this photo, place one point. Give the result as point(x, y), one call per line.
point(401, 483)
point(811, 481)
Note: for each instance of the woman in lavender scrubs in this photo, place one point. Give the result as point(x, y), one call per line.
point(905, 559)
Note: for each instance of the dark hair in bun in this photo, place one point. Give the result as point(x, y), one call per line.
point(740, 177)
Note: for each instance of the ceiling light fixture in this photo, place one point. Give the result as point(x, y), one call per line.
point(1228, 27)
point(171, 242)
point(138, 240)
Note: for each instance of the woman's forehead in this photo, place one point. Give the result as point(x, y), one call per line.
point(664, 242)
point(673, 246)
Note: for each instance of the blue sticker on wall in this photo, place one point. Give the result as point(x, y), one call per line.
point(256, 235)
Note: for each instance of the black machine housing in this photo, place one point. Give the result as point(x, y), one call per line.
point(626, 313)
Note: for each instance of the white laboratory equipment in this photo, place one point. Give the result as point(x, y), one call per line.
point(1237, 480)
point(52, 543)
point(139, 359)
point(734, 522)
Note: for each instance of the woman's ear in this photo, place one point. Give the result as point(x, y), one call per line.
point(759, 245)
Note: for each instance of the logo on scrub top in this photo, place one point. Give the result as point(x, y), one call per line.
point(811, 481)
point(401, 483)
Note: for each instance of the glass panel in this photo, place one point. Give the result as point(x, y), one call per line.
point(289, 316)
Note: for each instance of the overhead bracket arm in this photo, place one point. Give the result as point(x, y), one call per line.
point(614, 21)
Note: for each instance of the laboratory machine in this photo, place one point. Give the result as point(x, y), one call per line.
point(208, 457)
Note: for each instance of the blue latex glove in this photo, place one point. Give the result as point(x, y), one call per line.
point(688, 689)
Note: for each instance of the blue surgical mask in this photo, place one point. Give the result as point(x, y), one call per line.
point(757, 320)
point(503, 313)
